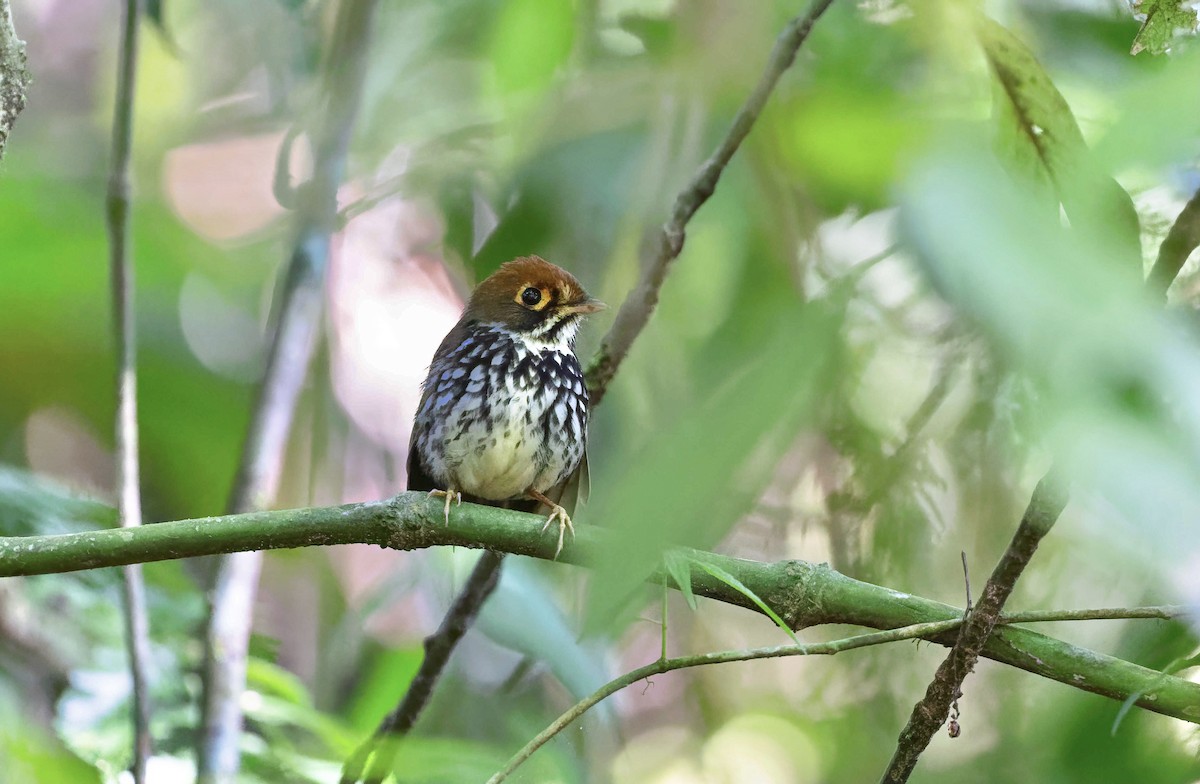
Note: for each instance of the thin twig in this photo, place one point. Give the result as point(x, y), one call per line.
point(14, 78)
point(966, 581)
point(915, 631)
point(639, 305)
point(295, 331)
point(129, 505)
point(1161, 612)
point(660, 666)
point(631, 319)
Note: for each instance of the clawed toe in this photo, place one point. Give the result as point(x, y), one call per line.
point(564, 525)
point(449, 495)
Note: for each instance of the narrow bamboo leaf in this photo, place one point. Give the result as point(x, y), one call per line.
point(679, 566)
point(1176, 665)
point(741, 588)
point(1125, 708)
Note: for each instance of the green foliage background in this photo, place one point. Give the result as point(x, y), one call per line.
point(876, 337)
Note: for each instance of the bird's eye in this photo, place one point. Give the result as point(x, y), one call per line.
point(531, 296)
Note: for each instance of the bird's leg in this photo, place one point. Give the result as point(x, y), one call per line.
point(556, 513)
point(450, 495)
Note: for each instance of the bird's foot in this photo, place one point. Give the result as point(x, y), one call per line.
point(556, 513)
point(564, 525)
point(449, 495)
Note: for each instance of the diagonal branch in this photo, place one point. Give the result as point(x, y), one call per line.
point(635, 312)
point(1046, 504)
point(137, 624)
point(802, 594)
point(1181, 240)
point(231, 604)
point(438, 647)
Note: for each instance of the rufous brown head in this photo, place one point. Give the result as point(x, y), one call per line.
point(533, 297)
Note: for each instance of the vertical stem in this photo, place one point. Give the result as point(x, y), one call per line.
point(295, 334)
point(124, 333)
point(662, 654)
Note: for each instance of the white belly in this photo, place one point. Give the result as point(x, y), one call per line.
point(501, 461)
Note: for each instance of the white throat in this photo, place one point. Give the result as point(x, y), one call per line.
point(536, 342)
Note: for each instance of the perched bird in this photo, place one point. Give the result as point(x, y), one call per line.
point(504, 409)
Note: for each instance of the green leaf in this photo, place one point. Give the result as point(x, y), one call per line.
point(1164, 19)
point(738, 586)
point(382, 681)
point(679, 566)
point(32, 505)
point(154, 12)
point(1117, 379)
point(523, 615)
point(1037, 135)
point(273, 680)
point(1176, 665)
point(533, 39)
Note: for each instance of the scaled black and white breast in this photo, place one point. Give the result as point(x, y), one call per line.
point(502, 413)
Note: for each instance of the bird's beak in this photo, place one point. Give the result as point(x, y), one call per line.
point(589, 305)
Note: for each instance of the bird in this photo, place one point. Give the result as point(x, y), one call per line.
point(503, 414)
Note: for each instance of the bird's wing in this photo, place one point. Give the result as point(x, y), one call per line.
point(573, 491)
point(417, 478)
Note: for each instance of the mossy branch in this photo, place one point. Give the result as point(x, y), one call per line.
point(801, 593)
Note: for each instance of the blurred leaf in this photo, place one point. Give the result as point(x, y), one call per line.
point(679, 566)
point(274, 715)
point(741, 588)
point(1176, 665)
point(1037, 134)
point(442, 760)
point(1164, 19)
point(522, 615)
point(1157, 124)
point(658, 35)
point(849, 146)
point(31, 505)
point(532, 40)
point(700, 473)
point(385, 677)
point(29, 757)
point(264, 647)
point(155, 13)
point(1107, 362)
point(273, 680)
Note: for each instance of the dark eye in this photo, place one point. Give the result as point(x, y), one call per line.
point(531, 296)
